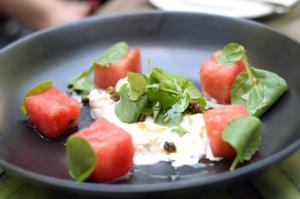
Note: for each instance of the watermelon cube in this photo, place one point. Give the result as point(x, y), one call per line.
point(216, 79)
point(109, 76)
point(113, 148)
point(215, 121)
point(52, 112)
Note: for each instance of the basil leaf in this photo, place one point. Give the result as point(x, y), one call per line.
point(231, 53)
point(137, 85)
point(244, 135)
point(81, 158)
point(179, 130)
point(257, 90)
point(43, 86)
point(115, 53)
point(126, 110)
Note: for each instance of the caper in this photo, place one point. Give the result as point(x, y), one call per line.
point(169, 147)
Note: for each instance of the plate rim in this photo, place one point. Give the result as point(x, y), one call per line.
point(117, 189)
point(159, 3)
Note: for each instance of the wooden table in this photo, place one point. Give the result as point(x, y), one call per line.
point(281, 181)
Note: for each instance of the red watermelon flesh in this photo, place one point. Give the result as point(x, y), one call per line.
point(215, 121)
point(113, 147)
point(109, 76)
point(217, 79)
point(52, 112)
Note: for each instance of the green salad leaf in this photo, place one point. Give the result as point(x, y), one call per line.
point(244, 135)
point(163, 119)
point(127, 110)
point(81, 84)
point(195, 94)
point(81, 158)
point(231, 53)
point(255, 88)
point(164, 88)
point(43, 86)
point(115, 53)
point(168, 96)
point(258, 90)
point(137, 85)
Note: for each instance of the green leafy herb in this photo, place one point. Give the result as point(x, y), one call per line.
point(115, 53)
point(244, 135)
point(231, 53)
point(156, 108)
point(195, 95)
point(175, 113)
point(169, 88)
point(81, 83)
point(179, 130)
point(137, 85)
point(81, 158)
point(43, 86)
point(257, 89)
point(126, 110)
point(165, 119)
point(168, 95)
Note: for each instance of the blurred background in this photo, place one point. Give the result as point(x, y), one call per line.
point(21, 17)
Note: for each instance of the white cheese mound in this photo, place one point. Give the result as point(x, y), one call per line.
point(149, 138)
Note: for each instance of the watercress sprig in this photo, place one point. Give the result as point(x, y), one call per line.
point(81, 84)
point(257, 89)
point(168, 96)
